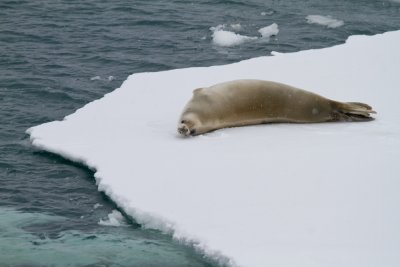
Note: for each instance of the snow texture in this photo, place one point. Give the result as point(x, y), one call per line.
point(327, 21)
point(299, 195)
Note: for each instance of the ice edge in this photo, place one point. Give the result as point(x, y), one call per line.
point(145, 219)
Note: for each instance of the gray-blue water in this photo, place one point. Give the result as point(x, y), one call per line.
point(50, 54)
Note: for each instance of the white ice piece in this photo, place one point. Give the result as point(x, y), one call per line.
point(222, 37)
point(236, 27)
point(269, 195)
point(269, 31)
point(115, 218)
point(327, 21)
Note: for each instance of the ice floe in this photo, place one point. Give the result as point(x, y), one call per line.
point(269, 195)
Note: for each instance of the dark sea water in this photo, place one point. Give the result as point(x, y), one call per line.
point(58, 55)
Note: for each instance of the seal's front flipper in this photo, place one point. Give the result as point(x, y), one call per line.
point(353, 111)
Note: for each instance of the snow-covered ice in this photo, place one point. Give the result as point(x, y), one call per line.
point(327, 21)
point(268, 195)
point(269, 31)
point(223, 37)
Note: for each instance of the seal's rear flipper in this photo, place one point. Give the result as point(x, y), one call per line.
point(353, 111)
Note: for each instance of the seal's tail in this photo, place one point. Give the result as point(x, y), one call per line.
point(353, 111)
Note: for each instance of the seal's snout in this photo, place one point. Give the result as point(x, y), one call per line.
point(183, 130)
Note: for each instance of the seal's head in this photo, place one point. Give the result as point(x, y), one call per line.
point(186, 128)
point(188, 124)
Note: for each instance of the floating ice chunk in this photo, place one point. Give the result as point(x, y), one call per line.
point(327, 21)
point(97, 205)
point(269, 31)
point(226, 38)
point(115, 218)
point(95, 78)
point(99, 78)
point(236, 27)
point(265, 13)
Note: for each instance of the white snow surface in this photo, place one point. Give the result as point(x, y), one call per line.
point(269, 195)
point(327, 21)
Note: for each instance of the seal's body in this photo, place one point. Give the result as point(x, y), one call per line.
point(248, 102)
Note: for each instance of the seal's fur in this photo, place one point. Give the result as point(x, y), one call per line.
point(248, 102)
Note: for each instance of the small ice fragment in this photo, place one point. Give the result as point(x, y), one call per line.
point(110, 78)
point(269, 31)
point(115, 218)
point(97, 205)
point(236, 27)
point(226, 38)
point(327, 21)
point(95, 78)
point(264, 13)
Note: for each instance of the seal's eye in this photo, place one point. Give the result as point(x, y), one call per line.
point(182, 121)
point(193, 131)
